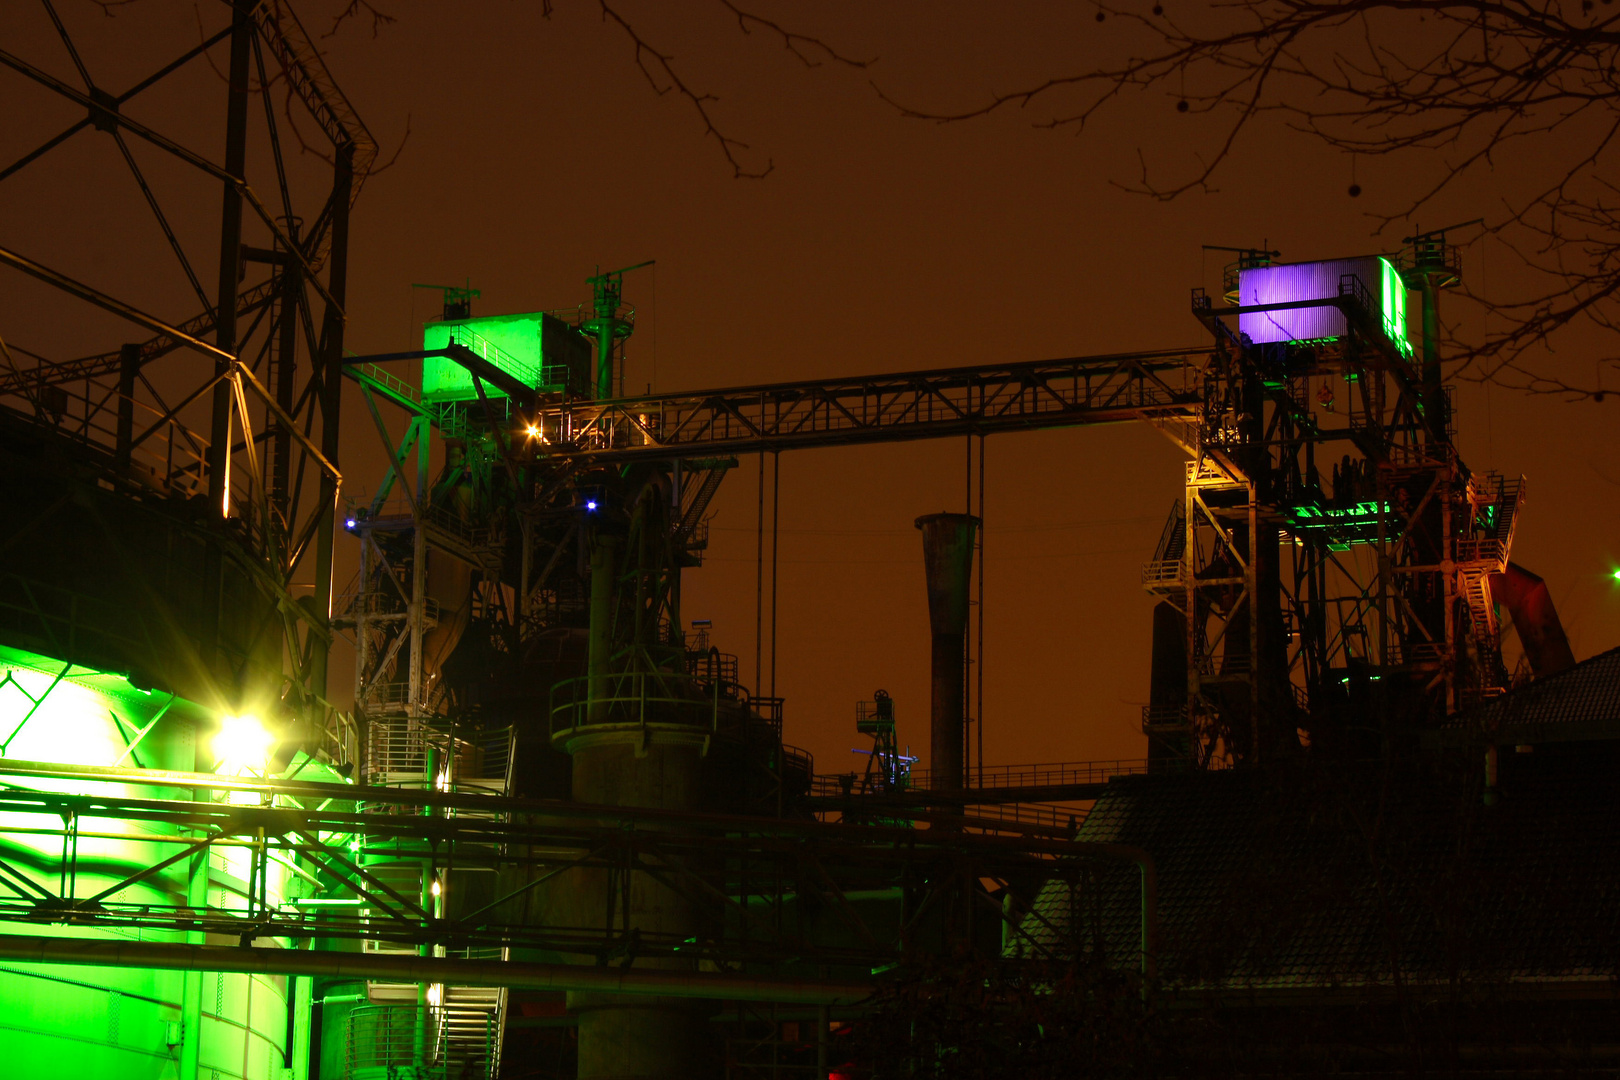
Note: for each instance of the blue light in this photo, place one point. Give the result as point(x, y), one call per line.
point(591, 505)
point(349, 524)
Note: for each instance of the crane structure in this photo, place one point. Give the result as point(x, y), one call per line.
point(546, 781)
point(1328, 534)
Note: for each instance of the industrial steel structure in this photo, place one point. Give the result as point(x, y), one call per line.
point(547, 783)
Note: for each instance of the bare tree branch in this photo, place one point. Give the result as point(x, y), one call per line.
point(1473, 83)
point(800, 45)
point(356, 8)
point(656, 65)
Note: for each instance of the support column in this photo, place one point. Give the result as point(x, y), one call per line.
point(230, 257)
point(129, 365)
point(600, 642)
point(330, 372)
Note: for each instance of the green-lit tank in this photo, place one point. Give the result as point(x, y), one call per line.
point(126, 1023)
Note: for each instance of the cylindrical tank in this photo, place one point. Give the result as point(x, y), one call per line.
point(948, 542)
point(637, 737)
point(658, 766)
point(123, 1022)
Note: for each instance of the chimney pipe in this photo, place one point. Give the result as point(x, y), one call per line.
point(948, 541)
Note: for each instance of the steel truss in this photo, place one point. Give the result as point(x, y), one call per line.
point(1386, 566)
point(756, 878)
point(1161, 387)
point(257, 435)
point(1299, 594)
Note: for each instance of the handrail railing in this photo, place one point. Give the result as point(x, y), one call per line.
point(640, 698)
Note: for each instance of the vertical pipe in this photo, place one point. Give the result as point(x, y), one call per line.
point(286, 353)
point(1433, 393)
point(525, 566)
point(362, 629)
point(230, 253)
point(599, 644)
point(303, 993)
point(759, 580)
point(417, 613)
point(129, 364)
point(604, 354)
point(978, 709)
point(948, 541)
point(1189, 570)
point(823, 1022)
point(330, 373)
point(967, 646)
point(776, 519)
point(1448, 589)
point(1251, 583)
point(196, 900)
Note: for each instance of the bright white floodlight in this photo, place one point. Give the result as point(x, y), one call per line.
point(242, 742)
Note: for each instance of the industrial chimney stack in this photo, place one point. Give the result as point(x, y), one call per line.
point(948, 541)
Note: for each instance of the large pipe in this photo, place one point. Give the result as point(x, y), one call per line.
point(105, 952)
point(1535, 619)
point(948, 564)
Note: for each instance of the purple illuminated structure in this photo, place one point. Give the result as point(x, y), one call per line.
point(1299, 283)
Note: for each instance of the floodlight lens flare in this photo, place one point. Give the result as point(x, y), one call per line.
point(1616, 575)
point(591, 505)
point(243, 741)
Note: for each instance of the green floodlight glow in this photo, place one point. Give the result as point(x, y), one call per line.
point(1615, 574)
point(512, 343)
point(1308, 516)
point(1394, 298)
point(242, 744)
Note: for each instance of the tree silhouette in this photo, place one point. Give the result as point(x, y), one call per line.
point(1473, 85)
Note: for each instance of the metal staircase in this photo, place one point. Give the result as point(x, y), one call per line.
point(1163, 575)
point(471, 1024)
point(464, 1025)
point(1493, 503)
point(692, 533)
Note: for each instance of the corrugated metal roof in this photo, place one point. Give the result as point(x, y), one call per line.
point(1310, 876)
point(1584, 700)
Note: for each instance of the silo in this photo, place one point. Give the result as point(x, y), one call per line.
point(637, 731)
point(123, 1022)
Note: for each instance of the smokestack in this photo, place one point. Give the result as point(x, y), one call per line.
point(948, 563)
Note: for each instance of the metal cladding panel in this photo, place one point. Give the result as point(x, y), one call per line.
point(516, 350)
point(1294, 283)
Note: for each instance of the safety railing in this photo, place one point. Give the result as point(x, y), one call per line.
point(1043, 774)
point(163, 452)
point(1164, 573)
point(644, 699)
point(388, 1042)
point(1483, 549)
point(1157, 718)
point(712, 665)
point(535, 375)
point(1206, 473)
point(381, 603)
point(1064, 818)
point(388, 382)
